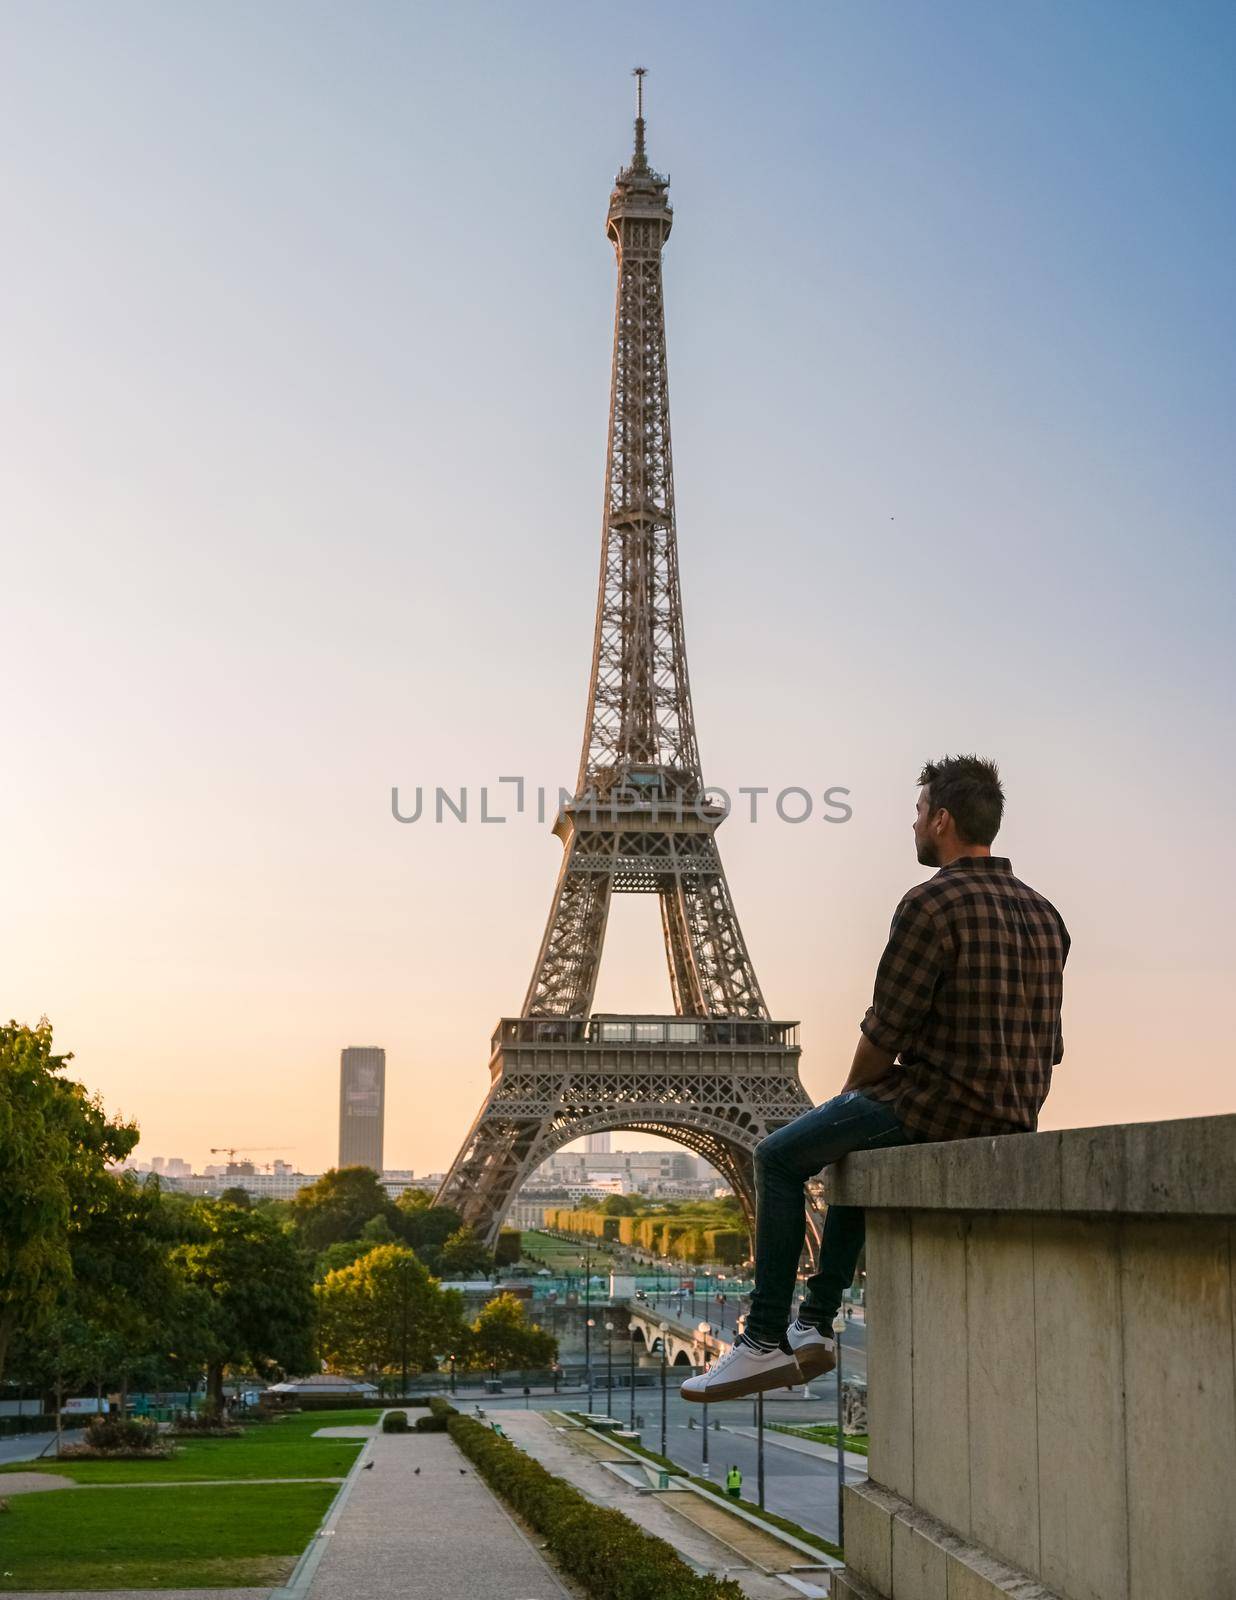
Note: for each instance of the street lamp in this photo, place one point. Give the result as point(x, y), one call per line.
point(759, 1447)
point(589, 1325)
point(631, 1348)
point(609, 1369)
point(838, 1330)
point(705, 1330)
point(664, 1328)
point(452, 1361)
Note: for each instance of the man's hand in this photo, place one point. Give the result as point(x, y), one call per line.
point(869, 1066)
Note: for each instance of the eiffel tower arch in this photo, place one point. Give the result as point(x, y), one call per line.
point(720, 1073)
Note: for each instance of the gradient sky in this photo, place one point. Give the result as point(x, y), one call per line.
point(306, 325)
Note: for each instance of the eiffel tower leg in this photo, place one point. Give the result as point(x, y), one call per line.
point(718, 952)
point(565, 974)
point(685, 983)
point(495, 1159)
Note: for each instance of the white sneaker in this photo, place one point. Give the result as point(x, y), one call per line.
point(814, 1350)
point(743, 1369)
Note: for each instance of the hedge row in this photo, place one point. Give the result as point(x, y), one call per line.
point(605, 1551)
point(440, 1413)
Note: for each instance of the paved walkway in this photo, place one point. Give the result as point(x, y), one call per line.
point(419, 1521)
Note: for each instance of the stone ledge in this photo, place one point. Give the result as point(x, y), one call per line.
point(1180, 1168)
point(896, 1552)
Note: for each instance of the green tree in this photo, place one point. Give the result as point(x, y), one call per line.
point(463, 1254)
point(338, 1206)
point(620, 1205)
point(384, 1313)
point(339, 1255)
point(260, 1293)
point(378, 1231)
point(126, 1285)
point(425, 1226)
point(502, 1336)
point(56, 1143)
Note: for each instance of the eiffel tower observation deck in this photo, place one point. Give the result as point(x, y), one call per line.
point(719, 1073)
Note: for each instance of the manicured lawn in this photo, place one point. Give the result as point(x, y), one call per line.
point(285, 1448)
point(193, 1536)
point(562, 1255)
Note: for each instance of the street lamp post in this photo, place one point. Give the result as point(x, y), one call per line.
point(705, 1329)
point(838, 1329)
point(589, 1325)
point(631, 1348)
point(609, 1369)
point(452, 1359)
point(664, 1327)
point(759, 1448)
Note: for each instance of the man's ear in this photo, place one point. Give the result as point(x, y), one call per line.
point(942, 819)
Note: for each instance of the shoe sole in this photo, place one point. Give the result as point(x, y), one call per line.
point(814, 1363)
point(783, 1377)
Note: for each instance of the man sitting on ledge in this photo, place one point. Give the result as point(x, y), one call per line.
point(959, 1042)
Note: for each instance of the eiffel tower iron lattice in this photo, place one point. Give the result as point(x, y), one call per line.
point(719, 1074)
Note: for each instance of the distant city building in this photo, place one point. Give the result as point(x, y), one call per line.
point(362, 1106)
point(597, 1144)
point(657, 1174)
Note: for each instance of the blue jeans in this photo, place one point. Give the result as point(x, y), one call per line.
point(783, 1163)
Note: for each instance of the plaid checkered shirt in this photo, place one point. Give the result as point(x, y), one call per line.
point(967, 999)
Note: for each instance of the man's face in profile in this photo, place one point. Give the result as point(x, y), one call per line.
point(924, 846)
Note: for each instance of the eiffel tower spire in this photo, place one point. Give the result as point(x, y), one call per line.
point(640, 822)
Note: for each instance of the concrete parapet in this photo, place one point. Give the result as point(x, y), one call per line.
point(1051, 1366)
point(1181, 1168)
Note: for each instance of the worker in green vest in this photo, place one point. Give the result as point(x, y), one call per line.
point(733, 1483)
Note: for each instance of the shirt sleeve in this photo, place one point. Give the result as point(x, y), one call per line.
point(1065, 942)
point(910, 970)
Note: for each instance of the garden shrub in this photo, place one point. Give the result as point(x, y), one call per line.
point(440, 1413)
point(118, 1436)
point(605, 1551)
point(396, 1422)
point(207, 1424)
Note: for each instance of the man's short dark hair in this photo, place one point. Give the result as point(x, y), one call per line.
point(969, 789)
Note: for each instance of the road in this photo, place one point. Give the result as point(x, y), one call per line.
point(27, 1446)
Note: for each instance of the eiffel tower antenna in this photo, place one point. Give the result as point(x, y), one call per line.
point(720, 1073)
point(639, 74)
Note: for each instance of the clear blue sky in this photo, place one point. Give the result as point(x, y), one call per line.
point(307, 312)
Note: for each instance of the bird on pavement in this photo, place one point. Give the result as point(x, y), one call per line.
point(368, 1467)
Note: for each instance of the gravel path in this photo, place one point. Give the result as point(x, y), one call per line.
point(32, 1482)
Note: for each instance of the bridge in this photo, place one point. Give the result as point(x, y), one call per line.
point(685, 1345)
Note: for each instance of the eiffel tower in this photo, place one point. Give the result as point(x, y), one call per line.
point(719, 1074)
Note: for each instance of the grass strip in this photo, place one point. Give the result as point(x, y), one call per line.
point(235, 1535)
point(821, 1433)
point(599, 1547)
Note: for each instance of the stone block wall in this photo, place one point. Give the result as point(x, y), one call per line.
point(1051, 1367)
